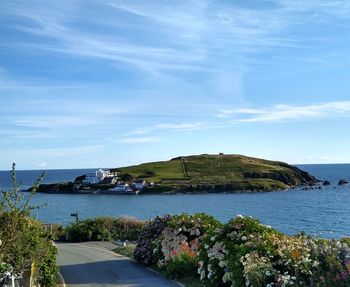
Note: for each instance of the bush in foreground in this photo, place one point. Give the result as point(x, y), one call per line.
point(242, 252)
point(173, 246)
point(24, 241)
point(246, 253)
point(105, 228)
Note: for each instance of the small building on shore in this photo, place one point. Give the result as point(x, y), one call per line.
point(139, 184)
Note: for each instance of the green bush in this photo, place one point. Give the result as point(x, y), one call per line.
point(173, 246)
point(24, 240)
point(105, 229)
point(181, 266)
point(247, 253)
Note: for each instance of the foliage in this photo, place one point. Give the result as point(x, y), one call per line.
point(183, 265)
point(5, 267)
point(247, 253)
point(126, 177)
point(104, 229)
point(144, 248)
point(173, 247)
point(24, 241)
point(16, 202)
point(242, 252)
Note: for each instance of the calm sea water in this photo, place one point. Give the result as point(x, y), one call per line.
point(324, 213)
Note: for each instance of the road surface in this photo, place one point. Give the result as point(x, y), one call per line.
point(94, 264)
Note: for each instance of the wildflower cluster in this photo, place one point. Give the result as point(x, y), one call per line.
point(247, 253)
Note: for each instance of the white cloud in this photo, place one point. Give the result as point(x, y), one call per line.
point(137, 140)
point(282, 113)
point(41, 165)
point(182, 126)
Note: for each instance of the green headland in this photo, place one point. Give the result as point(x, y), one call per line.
point(223, 172)
point(192, 174)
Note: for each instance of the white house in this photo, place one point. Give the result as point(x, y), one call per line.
point(139, 184)
point(97, 176)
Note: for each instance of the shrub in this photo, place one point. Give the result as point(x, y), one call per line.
point(246, 253)
point(183, 265)
point(144, 248)
point(105, 228)
point(24, 240)
point(173, 247)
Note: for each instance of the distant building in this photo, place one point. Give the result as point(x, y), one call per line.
point(100, 175)
point(140, 184)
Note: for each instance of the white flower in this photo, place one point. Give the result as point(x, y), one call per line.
point(267, 273)
point(212, 238)
point(239, 216)
point(206, 246)
point(243, 238)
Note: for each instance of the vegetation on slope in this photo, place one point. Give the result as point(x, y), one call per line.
point(220, 173)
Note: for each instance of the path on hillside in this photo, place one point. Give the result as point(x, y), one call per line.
point(94, 264)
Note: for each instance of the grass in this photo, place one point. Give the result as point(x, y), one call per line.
point(128, 251)
point(240, 171)
point(162, 169)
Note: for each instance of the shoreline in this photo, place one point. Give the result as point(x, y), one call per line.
point(166, 190)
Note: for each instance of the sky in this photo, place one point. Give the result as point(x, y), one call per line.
point(107, 83)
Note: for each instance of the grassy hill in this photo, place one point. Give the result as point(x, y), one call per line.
point(219, 173)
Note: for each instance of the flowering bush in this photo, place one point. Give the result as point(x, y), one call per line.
point(222, 249)
point(242, 252)
point(177, 246)
point(144, 249)
point(246, 253)
point(171, 243)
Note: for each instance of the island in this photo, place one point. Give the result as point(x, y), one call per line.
point(206, 173)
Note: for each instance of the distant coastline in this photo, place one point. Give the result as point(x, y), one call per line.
point(191, 174)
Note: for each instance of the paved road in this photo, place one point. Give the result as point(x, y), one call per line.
point(94, 264)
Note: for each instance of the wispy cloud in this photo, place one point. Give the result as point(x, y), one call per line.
point(166, 128)
point(191, 36)
point(283, 113)
point(138, 140)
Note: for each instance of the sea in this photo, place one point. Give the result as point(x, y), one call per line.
point(323, 213)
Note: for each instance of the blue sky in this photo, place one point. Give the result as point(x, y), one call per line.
point(113, 83)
